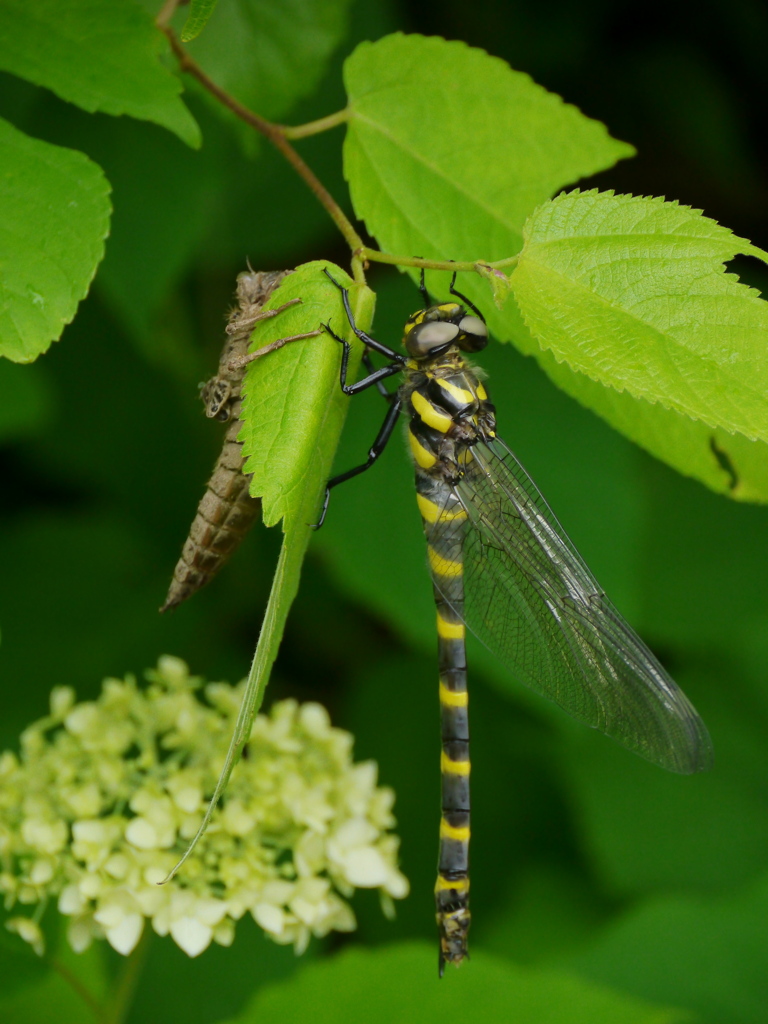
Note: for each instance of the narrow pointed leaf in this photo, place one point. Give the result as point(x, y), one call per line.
point(199, 13)
point(293, 413)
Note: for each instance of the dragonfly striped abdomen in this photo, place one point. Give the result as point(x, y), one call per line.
point(449, 410)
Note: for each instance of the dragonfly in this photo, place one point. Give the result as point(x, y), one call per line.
point(502, 566)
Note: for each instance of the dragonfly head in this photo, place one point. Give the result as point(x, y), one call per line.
point(430, 332)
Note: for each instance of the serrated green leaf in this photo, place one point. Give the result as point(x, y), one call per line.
point(100, 56)
point(199, 13)
point(448, 149)
point(632, 293)
point(400, 983)
point(293, 407)
point(55, 216)
point(729, 464)
point(270, 55)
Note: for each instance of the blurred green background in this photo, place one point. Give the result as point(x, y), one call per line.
point(584, 857)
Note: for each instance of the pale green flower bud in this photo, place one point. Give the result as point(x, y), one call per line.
point(29, 931)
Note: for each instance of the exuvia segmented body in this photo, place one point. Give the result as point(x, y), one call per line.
point(226, 511)
point(501, 564)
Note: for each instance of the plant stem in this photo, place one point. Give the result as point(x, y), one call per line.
point(508, 261)
point(128, 979)
point(166, 12)
point(77, 986)
point(376, 256)
point(274, 133)
point(323, 124)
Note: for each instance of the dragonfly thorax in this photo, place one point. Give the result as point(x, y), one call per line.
point(450, 412)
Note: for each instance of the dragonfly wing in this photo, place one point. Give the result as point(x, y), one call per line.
point(530, 598)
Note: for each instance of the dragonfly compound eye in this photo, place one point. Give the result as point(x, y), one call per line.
point(427, 338)
point(475, 333)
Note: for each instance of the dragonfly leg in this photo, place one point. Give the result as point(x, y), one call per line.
point(375, 378)
point(378, 446)
point(366, 382)
point(464, 299)
point(380, 386)
point(366, 339)
point(423, 289)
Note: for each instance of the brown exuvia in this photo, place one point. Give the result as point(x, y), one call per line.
point(226, 511)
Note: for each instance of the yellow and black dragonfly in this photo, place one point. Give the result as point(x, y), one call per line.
point(502, 565)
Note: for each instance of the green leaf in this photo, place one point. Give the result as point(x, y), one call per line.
point(100, 56)
point(293, 407)
point(706, 954)
point(199, 13)
point(632, 293)
point(293, 412)
point(546, 910)
point(19, 964)
point(55, 216)
point(285, 586)
point(448, 150)
point(400, 983)
point(270, 55)
point(729, 464)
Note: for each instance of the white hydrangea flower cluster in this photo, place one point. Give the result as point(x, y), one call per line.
point(107, 794)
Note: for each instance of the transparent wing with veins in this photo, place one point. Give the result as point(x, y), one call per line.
point(531, 599)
